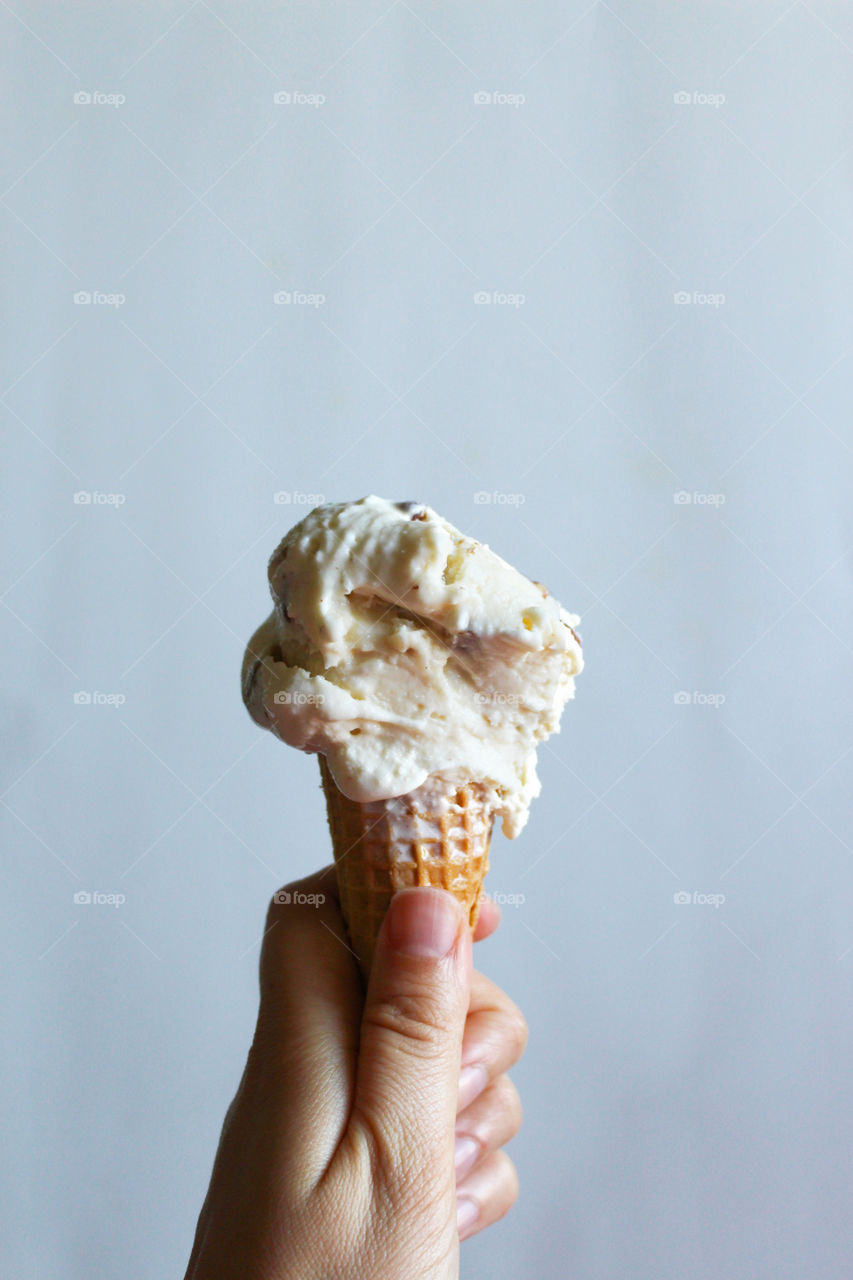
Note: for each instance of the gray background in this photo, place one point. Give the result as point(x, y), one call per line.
point(686, 1084)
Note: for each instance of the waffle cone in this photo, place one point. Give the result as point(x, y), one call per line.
point(437, 835)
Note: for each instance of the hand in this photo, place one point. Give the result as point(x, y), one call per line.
point(336, 1160)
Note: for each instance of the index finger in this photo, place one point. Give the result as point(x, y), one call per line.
point(488, 919)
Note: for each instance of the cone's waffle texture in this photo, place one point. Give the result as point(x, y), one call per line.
point(437, 835)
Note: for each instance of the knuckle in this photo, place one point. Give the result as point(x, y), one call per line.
point(517, 1032)
point(500, 1117)
point(418, 1023)
point(509, 1104)
point(512, 1181)
point(507, 1178)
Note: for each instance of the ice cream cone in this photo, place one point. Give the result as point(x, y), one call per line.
point(436, 835)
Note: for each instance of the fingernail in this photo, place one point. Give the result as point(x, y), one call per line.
point(472, 1082)
point(423, 922)
point(467, 1214)
point(466, 1153)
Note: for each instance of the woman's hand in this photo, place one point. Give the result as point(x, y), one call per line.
point(336, 1160)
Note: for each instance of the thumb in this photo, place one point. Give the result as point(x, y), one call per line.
point(411, 1039)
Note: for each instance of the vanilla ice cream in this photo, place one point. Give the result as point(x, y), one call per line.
point(400, 648)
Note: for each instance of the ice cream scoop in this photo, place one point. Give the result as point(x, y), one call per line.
point(402, 650)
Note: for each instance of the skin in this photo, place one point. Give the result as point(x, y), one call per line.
point(336, 1159)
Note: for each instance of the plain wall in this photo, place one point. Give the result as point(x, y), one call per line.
point(676, 471)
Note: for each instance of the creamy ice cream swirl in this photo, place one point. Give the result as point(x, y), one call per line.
point(400, 648)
